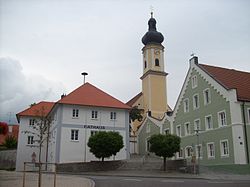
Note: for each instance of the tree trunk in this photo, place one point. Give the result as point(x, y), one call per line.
point(164, 164)
point(102, 159)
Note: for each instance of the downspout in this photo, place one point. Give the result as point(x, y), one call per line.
point(245, 131)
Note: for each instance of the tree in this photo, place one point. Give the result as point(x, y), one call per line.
point(3, 128)
point(41, 129)
point(105, 144)
point(164, 146)
point(10, 142)
point(135, 114)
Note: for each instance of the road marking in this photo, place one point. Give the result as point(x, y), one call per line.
point(219, 182)
point(171, 181)
point(138, 180)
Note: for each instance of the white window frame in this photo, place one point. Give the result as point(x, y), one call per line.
point(32, 122)
point(186, 105)
point(222, 149)
point(177, 132)
point(220, 119)
point(205, 96)
point(93, 132)
point(30, 140)
point(248, 114)
point(94, 114)
point(185, 126)
point(208, 150)
point(198, 102)
point(75, 133)
point(75, 113)
point(195, 125)
point(186, 151)
point(196, 151)
point(113, 115)
point(211, 122)
point(179, 154)
point(147, 144)
point(194, 81)
point(167, 130)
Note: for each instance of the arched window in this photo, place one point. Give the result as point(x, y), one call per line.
point(157, 62)
point(145, 64)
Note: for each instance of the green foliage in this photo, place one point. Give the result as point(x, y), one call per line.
point(105, 144)
point(135, 114)
point(10, 142)
point(164, 145)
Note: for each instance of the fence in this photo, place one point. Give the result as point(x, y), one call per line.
point(40, 168)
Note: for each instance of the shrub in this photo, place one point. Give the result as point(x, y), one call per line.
point(10, 142)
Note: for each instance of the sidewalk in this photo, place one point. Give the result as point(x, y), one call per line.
point(15, 179)
point(161, 174)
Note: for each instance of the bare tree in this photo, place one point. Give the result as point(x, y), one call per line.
point(41, 129)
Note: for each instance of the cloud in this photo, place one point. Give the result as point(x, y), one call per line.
point(19, 90)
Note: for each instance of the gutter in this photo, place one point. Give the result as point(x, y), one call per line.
point(245, 132)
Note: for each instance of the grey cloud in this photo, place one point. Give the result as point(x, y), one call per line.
point(18, 90)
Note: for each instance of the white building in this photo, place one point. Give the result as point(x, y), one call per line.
point(76, 117)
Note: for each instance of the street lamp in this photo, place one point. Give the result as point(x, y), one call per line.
point(84, 74)
point(198, 151)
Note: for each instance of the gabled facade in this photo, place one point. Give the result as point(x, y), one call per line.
point(76, 117)
point(212, 115)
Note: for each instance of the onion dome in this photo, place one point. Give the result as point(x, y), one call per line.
point(152, 36)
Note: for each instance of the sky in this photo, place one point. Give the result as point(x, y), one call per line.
point(45, 45)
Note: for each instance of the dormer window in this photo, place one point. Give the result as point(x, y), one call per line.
point(157, 63)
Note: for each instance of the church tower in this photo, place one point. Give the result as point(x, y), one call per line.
point(154, 76)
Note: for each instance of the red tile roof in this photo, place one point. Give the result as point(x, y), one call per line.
point(37, 109)
point(89, 95)
point(134, 99)
point(231, 79)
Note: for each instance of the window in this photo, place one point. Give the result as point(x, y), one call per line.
point(167, 131)
point(207, 96)
point(112, 115)
point(94, 114)
point(188, 151)
point(75, 113)
point(32, 122)
point(222, 118)
point(199, 151)
point(187, 129)
point(148, 145)
point(210, 150)
point(92, 133)
point(180, 153)
point(30, 140)
point(157, 62)
point(145, 64)
point(148, 128)
point(194, 81)
point(224, 148)
point(178, 130)
point(186, 105)
point(197, 124)
point(74, 135)
point(248, 114)
point(208, 122)
point(196, 101)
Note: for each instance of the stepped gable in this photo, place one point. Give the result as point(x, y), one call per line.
point(89, 95)
point(231, 79)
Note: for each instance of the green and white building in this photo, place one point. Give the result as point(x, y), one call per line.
point(212, 116)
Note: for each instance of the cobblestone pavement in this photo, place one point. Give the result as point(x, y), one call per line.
point(15, 179)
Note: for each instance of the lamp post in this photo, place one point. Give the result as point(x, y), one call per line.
point(84, 74)
point(198, 151)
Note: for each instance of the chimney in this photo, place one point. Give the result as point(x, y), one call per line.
point(194, 59)
point(63, 95)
